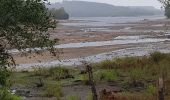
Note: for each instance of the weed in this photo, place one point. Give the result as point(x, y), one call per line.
point(107, 75)
point(157, 56)
point(136, 75)
point(72, 97)
point(52, 90)
point(89, 96)
point(5, 95)
point(151, 89)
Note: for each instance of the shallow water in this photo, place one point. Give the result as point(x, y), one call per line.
point(113, 42)
point(135, 51)
point(120, 40)
point(107, 21)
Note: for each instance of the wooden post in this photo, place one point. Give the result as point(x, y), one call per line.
point(161, 89)
point(91, 80)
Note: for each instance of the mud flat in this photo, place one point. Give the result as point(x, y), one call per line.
point(144, 49)
point(86, 40)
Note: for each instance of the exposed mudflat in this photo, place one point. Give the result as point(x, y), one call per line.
point(92, 41)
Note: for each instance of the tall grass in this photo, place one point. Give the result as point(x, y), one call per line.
point(53, 90)
point(107, 75)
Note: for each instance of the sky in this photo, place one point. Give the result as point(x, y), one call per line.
point(154, 3)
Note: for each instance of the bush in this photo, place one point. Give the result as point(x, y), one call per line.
point(5, 95)
point(59, 13)
point(59, 73)
point(157, 57)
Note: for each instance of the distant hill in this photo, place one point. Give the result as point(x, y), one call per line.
point(92, 9)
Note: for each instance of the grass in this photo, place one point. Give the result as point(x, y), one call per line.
point(72, 97)
point(5, 95)
point(106, 75)
point(151, 89)
point(53, 90)
point(129, 72)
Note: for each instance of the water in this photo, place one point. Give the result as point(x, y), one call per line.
point(135, 51)
point(147, 44)
point(112, 42)
point(120, 40)
point(108, 21)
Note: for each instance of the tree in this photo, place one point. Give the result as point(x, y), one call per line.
point(59, 13)
point(23, 24)
point(166, 5)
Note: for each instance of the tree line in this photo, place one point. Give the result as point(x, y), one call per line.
point(60, 13)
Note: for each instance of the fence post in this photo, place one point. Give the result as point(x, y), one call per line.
point(161, 89)
point(91, 80)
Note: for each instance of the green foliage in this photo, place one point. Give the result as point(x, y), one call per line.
point(23, 24)
point(4, 75)
point(151, 89)
point(72, 97)
point(5, 61)
point(5, 95)
point(59, 13)
point(59, 72)
point(127, 62)
point(136, 74)
point(167, 11)
point(166, 5)
point(108, 75)
point(157, 56)
point(53, 90)
point(53, 72)
point(106, 64)
point(89, 96)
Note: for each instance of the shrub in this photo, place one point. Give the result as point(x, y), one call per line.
point(5, 95)
point(58, 72)
point(107, 75)
point(151, 89)
point(157, 56)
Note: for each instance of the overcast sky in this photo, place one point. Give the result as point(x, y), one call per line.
point(154, 3)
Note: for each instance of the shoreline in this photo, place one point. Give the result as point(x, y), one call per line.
point(87, 43)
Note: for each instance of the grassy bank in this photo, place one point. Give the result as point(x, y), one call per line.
point(135, 78)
